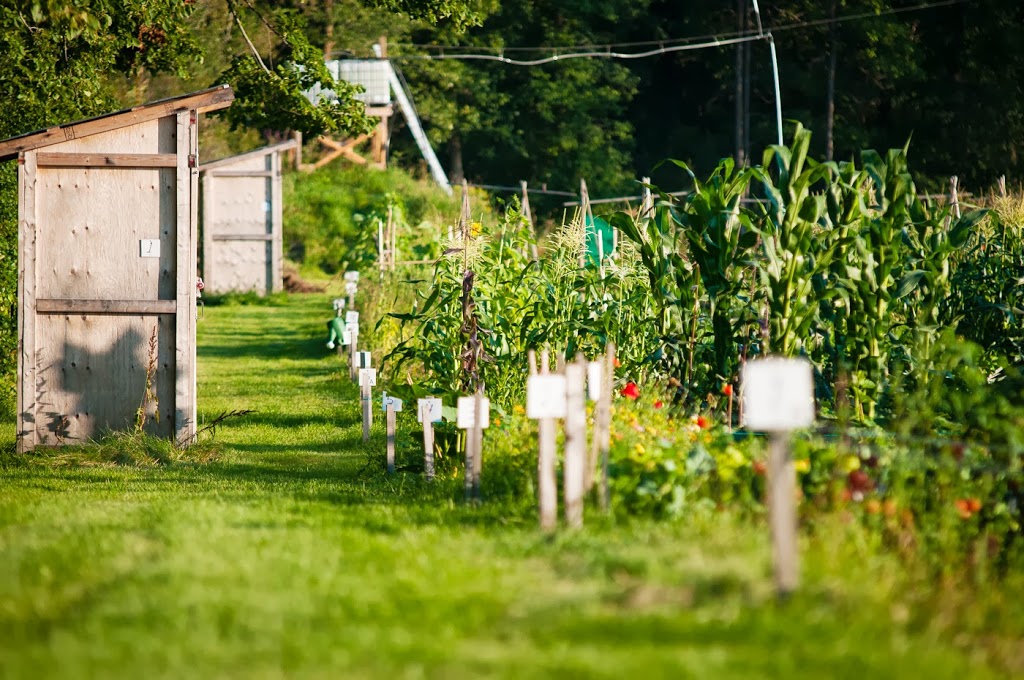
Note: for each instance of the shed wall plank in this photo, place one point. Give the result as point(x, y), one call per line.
point(93, 370)
point(27, 356)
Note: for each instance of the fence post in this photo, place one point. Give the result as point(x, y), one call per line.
point(545, 400)
point(603, 423)
point(575, 442)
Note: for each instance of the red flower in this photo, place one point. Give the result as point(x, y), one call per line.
point(703, 423)
point(727, 390)
point(963, 506)
point(631, 390)
point(658, 404)
point(618, 364)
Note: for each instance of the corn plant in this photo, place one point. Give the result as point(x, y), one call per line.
point(797, 248)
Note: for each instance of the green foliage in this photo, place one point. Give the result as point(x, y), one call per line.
point(8, 287)
point(522, 303)
point(331, 217)
point(273, 98)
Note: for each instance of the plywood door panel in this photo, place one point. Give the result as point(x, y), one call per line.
point(89, 367)
point(237, 209)
point(91, 227)
point(92, 376)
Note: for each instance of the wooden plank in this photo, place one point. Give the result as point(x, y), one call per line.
point(240, 173)
point(242, 237)
point(209, 201)
point(258, 153)
point(61, 306)
point(184, 285)
point(211, 99)
point(192, 274)
point(119, 160)
point(276, 282)
point(27, 224)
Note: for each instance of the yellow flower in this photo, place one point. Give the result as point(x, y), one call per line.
point(803, 465)
point(475, 229)
point(518, 409)
point(497, 422)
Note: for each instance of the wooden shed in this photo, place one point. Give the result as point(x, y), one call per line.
point(241, 221)
point(107, 221)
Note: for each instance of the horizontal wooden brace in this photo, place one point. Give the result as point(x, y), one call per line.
point(241, 173)
point(243, 237)
point(106, 160)
point(60, 306)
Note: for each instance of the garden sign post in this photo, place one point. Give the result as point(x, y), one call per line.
point(474, 414)
point(428, 413)
point(391, 406)
point(778, 396)
point(352, 328)
point(545, 401)
point(367, 379)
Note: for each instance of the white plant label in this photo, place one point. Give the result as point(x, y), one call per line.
point(364, 360)
point(352, 276)
point(467, 413)
point(352, 328)
point(346, 338)
point(339, 304)
point(595, 369)
point(149, 247)
point(778, 394)
point(351, 288)
point(367, 377)
point(394, 402)
point(429, 410)
point(352, 317)
point(545, 396)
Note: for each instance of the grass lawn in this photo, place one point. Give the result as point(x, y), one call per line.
point(293, 555)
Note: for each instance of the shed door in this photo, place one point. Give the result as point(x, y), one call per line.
point(109, 340)
point(240, 232)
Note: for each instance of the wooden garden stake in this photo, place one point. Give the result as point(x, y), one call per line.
point(367, 379)
point(351, 286)
point(779, 397)
point(391, 406)
point(954, 198)
point(575, 442)
point(428, 413)
point(603, 423)
point(473, 416)
point(545, 401)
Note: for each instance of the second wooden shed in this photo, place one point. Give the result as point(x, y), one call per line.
point(241, 221)
point(107, 222)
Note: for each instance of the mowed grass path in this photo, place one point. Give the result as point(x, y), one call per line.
point(293, 555)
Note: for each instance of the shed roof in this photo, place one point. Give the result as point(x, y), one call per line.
point(263, 151)
point(211, 99)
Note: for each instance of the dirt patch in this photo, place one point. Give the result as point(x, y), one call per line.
point(293, 283)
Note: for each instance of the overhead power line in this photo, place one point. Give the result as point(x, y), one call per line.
point(609, 50)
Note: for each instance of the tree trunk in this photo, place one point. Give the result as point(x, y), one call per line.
point(455, 156)
point(740, 48)
point(328, 29)
point(830, 87)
